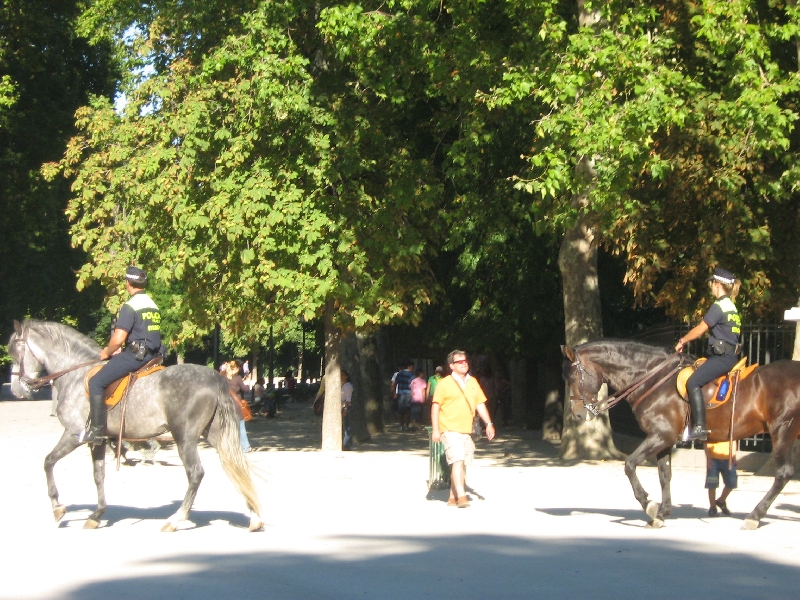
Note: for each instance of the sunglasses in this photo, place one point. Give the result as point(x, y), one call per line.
point(460, 362)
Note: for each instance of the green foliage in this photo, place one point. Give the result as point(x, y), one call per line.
point(257, 194)
point(46, 73)
point(689, 117)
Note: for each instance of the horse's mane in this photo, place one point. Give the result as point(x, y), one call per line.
point(622, 345)
point(64, 338)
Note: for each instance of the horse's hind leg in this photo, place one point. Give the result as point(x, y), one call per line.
point(99, 467)
point(66, 444)
point(194, 473)
point(652, 444)
point(784, 469)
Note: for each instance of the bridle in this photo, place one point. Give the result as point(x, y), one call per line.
point(582, 373)
point(595, 407)
point(32, 384)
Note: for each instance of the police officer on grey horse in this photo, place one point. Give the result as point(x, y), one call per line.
point(724, 324)
point(138, 329)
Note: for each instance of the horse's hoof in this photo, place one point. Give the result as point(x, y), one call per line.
point(256, 525)
point(655, 524)
point(749, 525)
point(652, 509)
point(91, 524)
point(169, 526)
point(59, 512)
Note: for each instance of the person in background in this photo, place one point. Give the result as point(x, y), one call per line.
point(237, 387)
point(347, 399)
point(455, 401)
point(718, 459)
point(418, 389)
point(401, 391)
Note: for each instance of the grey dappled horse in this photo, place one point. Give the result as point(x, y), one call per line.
point(189, 401)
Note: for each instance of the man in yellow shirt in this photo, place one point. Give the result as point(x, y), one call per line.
point(720, 460)
point(456, 399)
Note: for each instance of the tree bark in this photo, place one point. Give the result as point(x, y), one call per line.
point(332, 413)
point(372, 398)
point(583, 322)
point(552, 388)
point(352, 362)
point(519, 397)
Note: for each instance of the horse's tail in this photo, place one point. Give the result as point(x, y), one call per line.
point(229, 448)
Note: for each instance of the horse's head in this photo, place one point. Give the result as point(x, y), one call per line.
point(25, 364)
point(584, 380)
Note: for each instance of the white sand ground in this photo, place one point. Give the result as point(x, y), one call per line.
point(362, 525)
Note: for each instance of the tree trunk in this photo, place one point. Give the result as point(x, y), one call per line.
point(519, 397)
point(552, 387)
point(351, 362)
point(577, 261)
point(370, 371)
point(332, 413)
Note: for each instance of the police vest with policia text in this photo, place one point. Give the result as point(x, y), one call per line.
point(732, 321)
point(148, 312)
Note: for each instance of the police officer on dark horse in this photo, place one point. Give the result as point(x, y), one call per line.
point(723, 323)
point(138, 328)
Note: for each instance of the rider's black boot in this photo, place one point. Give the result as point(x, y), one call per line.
point(96, 432)
point(698, 405)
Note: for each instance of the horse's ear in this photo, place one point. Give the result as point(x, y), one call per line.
point(18, 327)
point(568, 353)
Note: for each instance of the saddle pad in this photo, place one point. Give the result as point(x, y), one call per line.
point(116, 390)
point(684, 374)
point(743, 373)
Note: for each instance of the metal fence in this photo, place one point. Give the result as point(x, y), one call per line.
point(761, 343)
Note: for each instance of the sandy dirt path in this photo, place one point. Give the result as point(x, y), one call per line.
point(363, 525)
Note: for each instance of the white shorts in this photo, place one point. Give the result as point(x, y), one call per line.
point(458, 446)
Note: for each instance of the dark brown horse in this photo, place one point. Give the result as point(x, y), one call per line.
point(768, 401)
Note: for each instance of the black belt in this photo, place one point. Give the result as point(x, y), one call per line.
point(713, 349)
point(136, 348)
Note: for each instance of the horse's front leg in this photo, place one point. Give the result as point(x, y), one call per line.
point(665, 477)
point(652, 444)
point(66, 444)
point(99, 464)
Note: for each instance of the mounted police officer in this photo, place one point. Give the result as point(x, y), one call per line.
point(138, 328)
point(725, 325)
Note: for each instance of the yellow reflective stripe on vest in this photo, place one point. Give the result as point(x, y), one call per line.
point(727, 305)
point(140, 301)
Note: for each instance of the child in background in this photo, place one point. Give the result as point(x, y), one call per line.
point(717, 457)
point(418, 388)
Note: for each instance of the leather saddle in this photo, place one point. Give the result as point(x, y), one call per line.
point(711, 390)
point(116, 390)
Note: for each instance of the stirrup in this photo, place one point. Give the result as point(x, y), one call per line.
point(91, 436)
point(698, 433)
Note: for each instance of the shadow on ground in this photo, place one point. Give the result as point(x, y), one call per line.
point(458, 566)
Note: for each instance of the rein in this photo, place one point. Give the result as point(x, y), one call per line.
point(40, 382)
point(635, 385)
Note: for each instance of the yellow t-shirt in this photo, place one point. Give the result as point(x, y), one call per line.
point(456, 412)
point(719, 450)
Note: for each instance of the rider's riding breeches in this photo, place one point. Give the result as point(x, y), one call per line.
point(716, 366)
point(120, 365)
